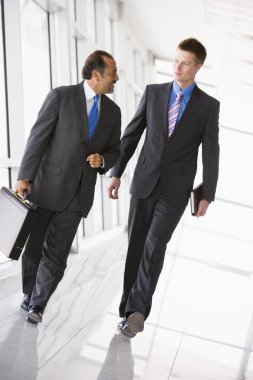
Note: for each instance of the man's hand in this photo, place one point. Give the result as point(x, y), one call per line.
point(95, 160)
point(21, 186)
point(203, 206)
point(113, 187)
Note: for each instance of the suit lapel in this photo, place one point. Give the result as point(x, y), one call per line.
point(82, 110)
point(163, 99)
point(166, 96)
point(191, 107)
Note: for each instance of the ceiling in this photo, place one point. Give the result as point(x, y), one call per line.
point(163, 23)
point(225, 27)
point(223, 24)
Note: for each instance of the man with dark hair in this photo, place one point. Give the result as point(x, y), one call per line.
point(95, 61)
point(76, 136)
point(178, 117)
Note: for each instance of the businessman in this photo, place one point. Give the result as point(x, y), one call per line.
point(76, 136)
point(178, 117)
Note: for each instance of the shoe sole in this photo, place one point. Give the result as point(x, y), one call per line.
point(127, 333)
point(34, 318)
point(134, 324)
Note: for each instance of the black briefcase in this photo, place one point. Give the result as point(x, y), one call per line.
point(17, 216)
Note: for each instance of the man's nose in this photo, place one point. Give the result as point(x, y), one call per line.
point(179, 65)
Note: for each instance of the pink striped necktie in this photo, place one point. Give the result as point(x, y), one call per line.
point(174, 112)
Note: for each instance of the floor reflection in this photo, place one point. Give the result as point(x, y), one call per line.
point(18, 351)
point(200, 327)
point(119, 362)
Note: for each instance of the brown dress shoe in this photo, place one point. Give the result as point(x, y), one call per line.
point(134, 324)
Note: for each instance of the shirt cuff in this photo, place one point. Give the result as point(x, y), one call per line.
point(103, 163)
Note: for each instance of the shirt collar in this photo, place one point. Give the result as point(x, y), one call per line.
point(89, 93)
point(186, 91)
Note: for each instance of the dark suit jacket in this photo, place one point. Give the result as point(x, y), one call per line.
point(56, 150)
point(172, 160)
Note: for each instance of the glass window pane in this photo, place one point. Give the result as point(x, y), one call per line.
point(74, 62)
point(3, 129)
point(235, 181)
point(72, 9)
point(35, 59)
point(108, 34)
point(97, 206)
point(4, 181)
point(4, 177)
point(96, 20)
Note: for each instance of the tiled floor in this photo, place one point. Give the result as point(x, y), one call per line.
point(200, 327)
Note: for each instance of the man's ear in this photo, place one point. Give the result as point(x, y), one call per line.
point(199, 65)
point(96, 75)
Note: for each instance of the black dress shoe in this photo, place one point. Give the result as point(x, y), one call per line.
point(25, 303)
point(34, 314)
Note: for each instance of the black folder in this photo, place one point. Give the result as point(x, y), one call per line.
point(195, 198)
point(17, 217)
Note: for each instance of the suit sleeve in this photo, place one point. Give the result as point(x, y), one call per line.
point(131, 137)
point(210, 154)
point(39, 137)
point(111, 153)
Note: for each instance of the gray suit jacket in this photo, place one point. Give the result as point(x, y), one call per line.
point(172, 160)
point(55, 155)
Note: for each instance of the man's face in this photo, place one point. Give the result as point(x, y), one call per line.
point(185, 67)
point(107, 80)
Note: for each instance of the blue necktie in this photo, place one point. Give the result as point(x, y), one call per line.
point(93, 116)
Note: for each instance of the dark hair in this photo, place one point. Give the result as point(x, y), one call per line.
point(95, 61)
point(194, 46)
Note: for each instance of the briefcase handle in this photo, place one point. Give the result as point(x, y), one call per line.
point(25, 199)
point(25, 195)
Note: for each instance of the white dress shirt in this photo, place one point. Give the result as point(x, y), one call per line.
point(89, 94)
